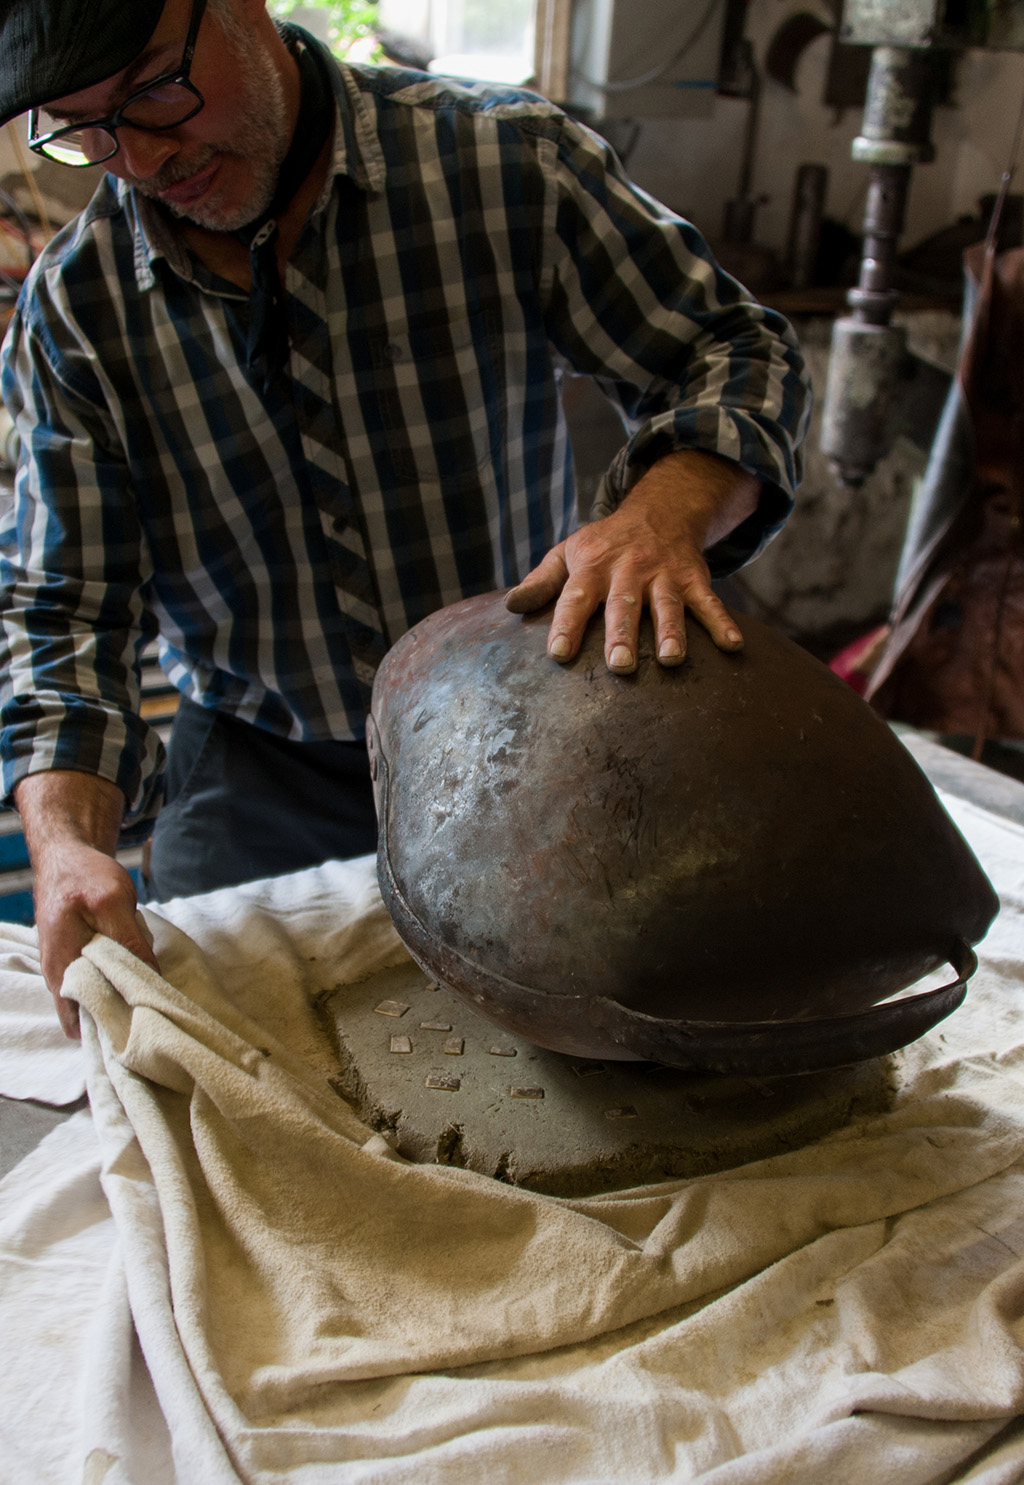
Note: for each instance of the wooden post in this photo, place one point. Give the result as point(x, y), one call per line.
point(551, 55)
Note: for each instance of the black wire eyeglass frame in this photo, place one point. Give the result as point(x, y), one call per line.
point(73, 154)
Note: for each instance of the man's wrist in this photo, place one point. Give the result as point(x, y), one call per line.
point(705, 495)
point(59, 806)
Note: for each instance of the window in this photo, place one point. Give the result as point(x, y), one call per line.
point(487, 39)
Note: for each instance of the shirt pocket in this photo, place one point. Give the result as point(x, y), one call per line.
point(439, 386)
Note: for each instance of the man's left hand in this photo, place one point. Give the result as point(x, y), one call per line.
point(650, 550)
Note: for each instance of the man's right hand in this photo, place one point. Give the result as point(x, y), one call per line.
point(71, 822)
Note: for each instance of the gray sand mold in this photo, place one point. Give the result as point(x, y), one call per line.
point(447, 1087)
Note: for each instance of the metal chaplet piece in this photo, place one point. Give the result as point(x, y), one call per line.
point(731, 866)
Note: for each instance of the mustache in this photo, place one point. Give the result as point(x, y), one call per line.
point(175, 171)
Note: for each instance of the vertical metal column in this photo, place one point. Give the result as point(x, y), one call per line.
point(869, 355)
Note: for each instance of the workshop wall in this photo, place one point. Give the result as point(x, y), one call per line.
point(829, 576)
point(693, 164)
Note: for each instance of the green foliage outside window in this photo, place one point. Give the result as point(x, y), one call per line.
point(351, 23)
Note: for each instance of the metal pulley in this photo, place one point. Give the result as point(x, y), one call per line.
point(727, 866)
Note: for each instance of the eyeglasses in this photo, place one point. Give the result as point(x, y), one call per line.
point(164, 103)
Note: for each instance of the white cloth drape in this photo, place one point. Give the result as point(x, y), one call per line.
point(219, 1274)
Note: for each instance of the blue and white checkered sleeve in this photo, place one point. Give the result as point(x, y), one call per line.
point(636, 300)
point(71, 615)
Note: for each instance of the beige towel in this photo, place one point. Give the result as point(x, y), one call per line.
point(848, 1311)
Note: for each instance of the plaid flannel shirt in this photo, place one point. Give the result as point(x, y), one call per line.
point(470, 248)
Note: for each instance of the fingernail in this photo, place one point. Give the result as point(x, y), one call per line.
point(559, 648)
point(733, 636)
point(621, 658)
point(670, 650)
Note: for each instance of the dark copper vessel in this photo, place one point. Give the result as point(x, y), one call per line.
point(725, 866)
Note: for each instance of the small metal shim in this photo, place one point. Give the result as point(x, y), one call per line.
point(526, 1093)
point(589, 1069)
point(401, 1044)
point(391, 1008)
point(626, 1112)
point(453, 1046)
point(442, 1081)
point(435, 1026)
point(503, 1051)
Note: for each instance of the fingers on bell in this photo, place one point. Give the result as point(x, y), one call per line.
point(669, 615)
point(719, 623)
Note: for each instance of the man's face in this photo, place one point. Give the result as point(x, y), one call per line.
point(220, 168)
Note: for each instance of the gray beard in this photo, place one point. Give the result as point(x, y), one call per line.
point(209, 214)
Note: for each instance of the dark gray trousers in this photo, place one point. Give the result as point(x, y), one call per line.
point(243, 803)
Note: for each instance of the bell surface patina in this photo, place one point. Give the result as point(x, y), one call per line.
point(724, 866)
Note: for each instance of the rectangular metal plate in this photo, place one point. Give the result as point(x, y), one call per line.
point(589, 1069)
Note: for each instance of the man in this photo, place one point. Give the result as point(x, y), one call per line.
point(289, 384)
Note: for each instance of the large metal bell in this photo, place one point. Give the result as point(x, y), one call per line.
point(726, 866)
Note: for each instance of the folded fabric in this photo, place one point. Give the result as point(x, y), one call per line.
point(313, 1308)
point(37, 1060)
